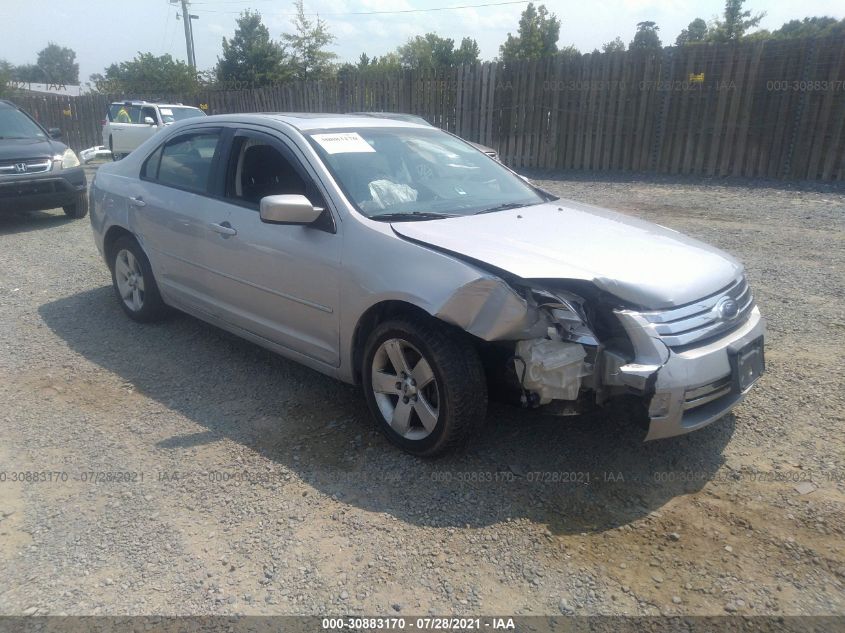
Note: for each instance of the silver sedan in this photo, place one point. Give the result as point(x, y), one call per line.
point(399, 257)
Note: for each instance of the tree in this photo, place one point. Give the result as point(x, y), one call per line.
point(537, 36)
point(29, 73)
point(614, 46)
point(734, 23)
point(58, 65)
point(695, 32)
point(467, 53)
point(55, 65)
point(309, 59)
point(387, 62)
point(810, 27)
point(646, 37)
point(251, 58)
point(427, 51)
point(6, 75)
point(147, 74)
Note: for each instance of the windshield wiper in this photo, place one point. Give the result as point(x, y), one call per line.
point(412, 215)
point(501, 207)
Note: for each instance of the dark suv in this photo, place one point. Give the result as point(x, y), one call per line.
point(36, 171)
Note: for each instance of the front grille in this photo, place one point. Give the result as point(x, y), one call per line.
point(703, 320)
point(699, 396)
point(24, 167)
point(29, 188)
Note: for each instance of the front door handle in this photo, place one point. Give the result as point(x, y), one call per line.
point(224, 228)
point(137, 202)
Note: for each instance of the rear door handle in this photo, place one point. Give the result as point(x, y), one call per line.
point(137, 202)
point(224, 228)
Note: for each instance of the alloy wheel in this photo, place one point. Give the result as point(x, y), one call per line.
point(130, 280)
point(405, 389)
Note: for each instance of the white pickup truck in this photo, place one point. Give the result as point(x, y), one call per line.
point(130, 123)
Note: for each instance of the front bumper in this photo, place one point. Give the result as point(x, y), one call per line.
point(37, 192)
point(692, 388)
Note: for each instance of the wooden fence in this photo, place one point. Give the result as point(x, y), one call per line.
point(773, 109)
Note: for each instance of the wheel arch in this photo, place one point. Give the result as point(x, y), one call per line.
point(113, 234)
point(371, 318)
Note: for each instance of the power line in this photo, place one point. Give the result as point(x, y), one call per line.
point(350, 13)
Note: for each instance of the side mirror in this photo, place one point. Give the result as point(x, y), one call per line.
point(288, 209)
point(149, 120)
point(54, 132)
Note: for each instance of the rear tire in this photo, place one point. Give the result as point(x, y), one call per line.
point(133, 282)
point(80, 208)
point(424, 385)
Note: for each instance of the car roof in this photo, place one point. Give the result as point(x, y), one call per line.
point(398, 116)
point(307, 121)
point(8, 104)
point(152, 103)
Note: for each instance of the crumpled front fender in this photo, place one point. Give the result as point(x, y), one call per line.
point(490, 309)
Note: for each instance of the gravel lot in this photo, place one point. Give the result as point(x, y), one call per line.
point(258, 486)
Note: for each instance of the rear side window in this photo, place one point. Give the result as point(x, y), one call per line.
point(150, 169)
point(186, 161)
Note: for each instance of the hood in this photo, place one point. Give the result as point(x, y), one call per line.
point(637, 261)
point(26, 148)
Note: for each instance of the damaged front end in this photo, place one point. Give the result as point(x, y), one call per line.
point(569, 346)
point(546, 343)
point(567, 368)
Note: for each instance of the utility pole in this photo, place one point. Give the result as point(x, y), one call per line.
point(191, 19)
point(189, 32)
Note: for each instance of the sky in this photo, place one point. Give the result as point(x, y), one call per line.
point(106, 31)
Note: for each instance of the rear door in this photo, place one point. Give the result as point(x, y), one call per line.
point(171, 214)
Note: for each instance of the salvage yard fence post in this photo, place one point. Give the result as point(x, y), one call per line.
point(766, 109)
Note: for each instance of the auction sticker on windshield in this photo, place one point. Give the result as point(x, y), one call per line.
point(343, 143)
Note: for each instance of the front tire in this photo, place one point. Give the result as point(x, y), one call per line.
point(424, 385)
point(80, 208)
point(133, 282)
point(114, 157)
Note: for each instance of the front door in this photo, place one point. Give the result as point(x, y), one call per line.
point(277, 281)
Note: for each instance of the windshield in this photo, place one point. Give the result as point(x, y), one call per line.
point(169, 115)
point(417, 174)
point(15, 124)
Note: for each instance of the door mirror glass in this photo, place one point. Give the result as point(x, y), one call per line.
point(288, 209)
point(55, 132)
point(149, 120)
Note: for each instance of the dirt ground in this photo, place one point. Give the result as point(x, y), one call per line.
point(175, 469)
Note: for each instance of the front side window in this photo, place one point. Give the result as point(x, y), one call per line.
point(148, 112)
point(258, 169)
point(186, 161)
point(15, 124)
point(411, 173)
point(122, 113)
